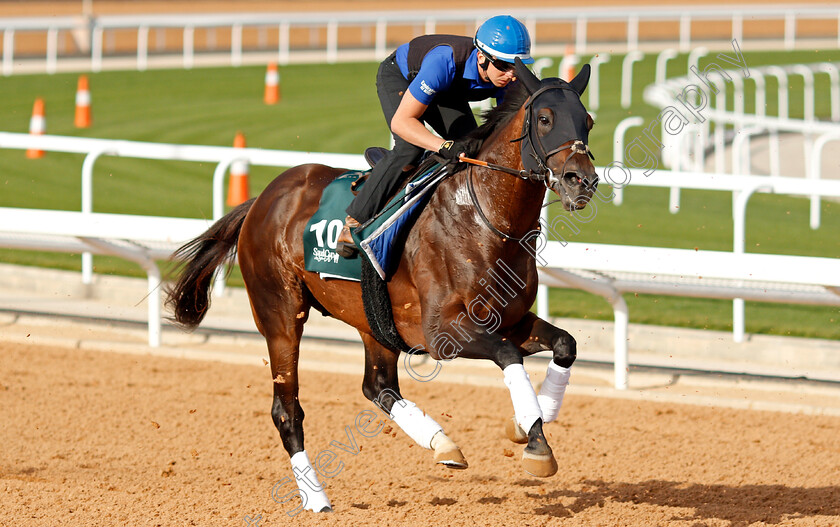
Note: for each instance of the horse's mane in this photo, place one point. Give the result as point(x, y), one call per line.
point(515, 97)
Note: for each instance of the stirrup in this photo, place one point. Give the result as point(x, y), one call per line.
point(346, 249)
point(345, 246)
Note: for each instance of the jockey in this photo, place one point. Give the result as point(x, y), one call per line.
point(431, 80)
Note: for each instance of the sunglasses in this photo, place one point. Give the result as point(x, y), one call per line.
point(502, 66)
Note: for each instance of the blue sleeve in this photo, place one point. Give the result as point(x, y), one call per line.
point(500, 96)
point(436, 74)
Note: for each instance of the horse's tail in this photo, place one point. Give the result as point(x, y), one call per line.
point(189, 296)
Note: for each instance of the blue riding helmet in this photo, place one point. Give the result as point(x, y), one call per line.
point(505, 38)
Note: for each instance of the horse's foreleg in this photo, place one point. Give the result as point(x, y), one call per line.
point(537, 458)
point(534, 334)
point(477, 343)
point(563, 346)
point(381, 386)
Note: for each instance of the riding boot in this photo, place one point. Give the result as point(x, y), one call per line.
point(345, 246)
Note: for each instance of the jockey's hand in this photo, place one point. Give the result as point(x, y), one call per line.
point(452, 150)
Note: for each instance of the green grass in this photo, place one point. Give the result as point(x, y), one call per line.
point(702, 313)
point(334, 109)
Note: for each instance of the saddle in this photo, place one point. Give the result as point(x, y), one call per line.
point(373, 155)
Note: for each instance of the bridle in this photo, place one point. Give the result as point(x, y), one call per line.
point(533, 152)
point(531, 149)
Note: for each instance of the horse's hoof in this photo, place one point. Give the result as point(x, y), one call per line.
point(447, 452)
point(452, 459)
point(514, 432)
point(539, 465)
point(326, 509)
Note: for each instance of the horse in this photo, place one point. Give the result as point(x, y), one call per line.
point(456, 285)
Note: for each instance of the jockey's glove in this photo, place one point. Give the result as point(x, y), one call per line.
point(452, 150)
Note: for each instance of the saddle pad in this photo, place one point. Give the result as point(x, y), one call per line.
point(320, 237)
point(380, 240)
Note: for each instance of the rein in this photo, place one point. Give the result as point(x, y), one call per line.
point(546, 177)
point(484, 218)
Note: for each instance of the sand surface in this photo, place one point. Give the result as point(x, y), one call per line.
point(92, 438)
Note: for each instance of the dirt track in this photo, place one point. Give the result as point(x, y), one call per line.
point(107, 439)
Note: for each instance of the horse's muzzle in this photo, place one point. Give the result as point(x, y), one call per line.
point(575, 191)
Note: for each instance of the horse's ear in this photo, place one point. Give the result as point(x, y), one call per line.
point(526, 76)
point(581, 80)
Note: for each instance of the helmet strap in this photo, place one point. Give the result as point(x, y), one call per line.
point(486, 64)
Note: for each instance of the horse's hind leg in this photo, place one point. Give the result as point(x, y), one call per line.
point(381, 386)
point(277, 319)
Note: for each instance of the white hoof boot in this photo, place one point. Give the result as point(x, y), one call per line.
point(311, 491)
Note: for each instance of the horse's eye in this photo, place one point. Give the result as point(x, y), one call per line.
point(544, 120)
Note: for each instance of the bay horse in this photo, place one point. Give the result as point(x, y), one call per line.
point(456, 286)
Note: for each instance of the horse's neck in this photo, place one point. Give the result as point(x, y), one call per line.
point(511, 204)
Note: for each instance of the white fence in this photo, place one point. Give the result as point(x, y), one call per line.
point(140, 239)
point(610, 270)
point(688, 148)
point(693, 273)
point(743, 269)
point(221, 155)
point(224, 157)
point(325, 35)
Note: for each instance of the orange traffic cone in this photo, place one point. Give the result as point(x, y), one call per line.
point(571, 60)
point(37, 126)
point(272, 84)
point(83, 103)
point(238, 184)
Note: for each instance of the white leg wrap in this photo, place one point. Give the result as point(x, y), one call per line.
point(414, 422)
point(553, 388)
point(526, 408)
point(312, 493)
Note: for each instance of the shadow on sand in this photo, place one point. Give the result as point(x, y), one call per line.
point(740, 506)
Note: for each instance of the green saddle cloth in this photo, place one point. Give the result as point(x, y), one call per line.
point(320, 237)
point(321, 233)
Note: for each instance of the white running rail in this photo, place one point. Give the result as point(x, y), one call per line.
point(107, 233)
point(610, 270)
point(287, 37)
point(140, 239)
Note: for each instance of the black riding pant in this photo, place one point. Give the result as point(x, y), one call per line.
point(451, 119)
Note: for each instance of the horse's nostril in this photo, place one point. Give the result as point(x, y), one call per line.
point(591, 184)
